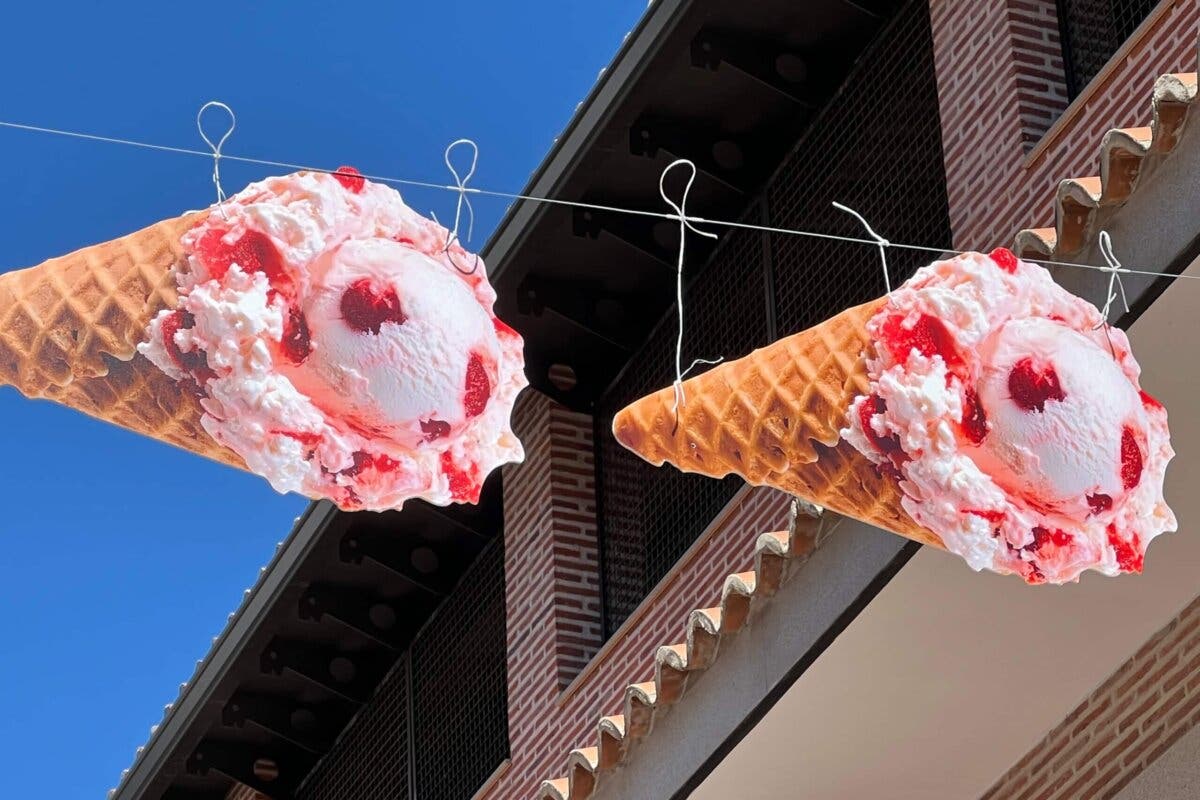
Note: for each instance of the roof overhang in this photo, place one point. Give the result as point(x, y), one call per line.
point(730, 86)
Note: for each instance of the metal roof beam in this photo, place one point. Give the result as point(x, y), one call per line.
point(274, 770)
point(352, 676)
point(776, 66)
point(431, 567)
point(377, 618)
point(311, 727)
point(717, 154)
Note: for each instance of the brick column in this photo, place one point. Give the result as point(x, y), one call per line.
point(1001, 85)
point(551, 559)
point(1041, 83)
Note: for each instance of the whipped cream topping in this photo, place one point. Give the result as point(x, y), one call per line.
point(338, 349)
point(1014, 419)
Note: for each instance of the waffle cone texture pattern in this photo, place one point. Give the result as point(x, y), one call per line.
point(69, 330)
point(774, 418)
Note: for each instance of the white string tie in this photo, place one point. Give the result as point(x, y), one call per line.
point(1114, 270)
point(685, 224)
point(216, 148)
point(883, 243)
point(460, 186)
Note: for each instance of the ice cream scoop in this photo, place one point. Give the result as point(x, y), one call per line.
point(338, 348)
point(979, 408)
point(1015, 420)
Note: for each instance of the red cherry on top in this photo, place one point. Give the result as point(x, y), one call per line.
point(351, 179)
point(365, 309)
point(1031, 388)
point(1005, 259)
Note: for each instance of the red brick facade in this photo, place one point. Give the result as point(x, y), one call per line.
point(996, 184)
point(552, 579)
point(1009, 137)
point(1135, 715)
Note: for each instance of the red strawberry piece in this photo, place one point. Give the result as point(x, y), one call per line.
point(297, 344)
point(350, 178)
point(479, 388)
point(1032, 388)
point(1128, 557)
point(1099, 502)
point(974, 421)
point(435, 429)
point(365, 309)
point(194, 361)
point(1005, 259)
point(303, 437)
point(253, 252)
point(464, 485)
point(1131, 459)
point(502, 329)
point(404, 240)
point(364, 460)
point(1043, 536)
point(928, 337)
point(872, 406)
point(990, 516)
point(1148, 401)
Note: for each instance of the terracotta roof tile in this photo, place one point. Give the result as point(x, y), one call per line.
point(1124, 154)
point(776, 555)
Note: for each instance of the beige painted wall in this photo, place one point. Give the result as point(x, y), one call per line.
point(949, 676)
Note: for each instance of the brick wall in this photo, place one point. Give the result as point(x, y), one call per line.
point(553, 594)
point(579, 618)
point(1039, 78)
point(1123, 726)
point(989, 62)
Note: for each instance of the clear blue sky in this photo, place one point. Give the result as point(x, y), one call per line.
point(122, 557)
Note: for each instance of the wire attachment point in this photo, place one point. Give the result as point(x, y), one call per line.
point(685, 224)
point(1114, 270)
point(460, 186)
point(216, 148)
point(883, 243)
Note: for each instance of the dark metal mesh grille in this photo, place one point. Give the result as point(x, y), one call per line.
point(1093, 31)
point(651, 516)
point(370, 760)
point(460, 685)
point(877, 148)
point(459, 693)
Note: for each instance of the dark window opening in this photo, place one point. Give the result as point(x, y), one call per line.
point(877, 147)
point(1092, 32)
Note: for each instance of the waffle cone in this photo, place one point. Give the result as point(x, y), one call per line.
point(69, 330)
point(774, 418)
